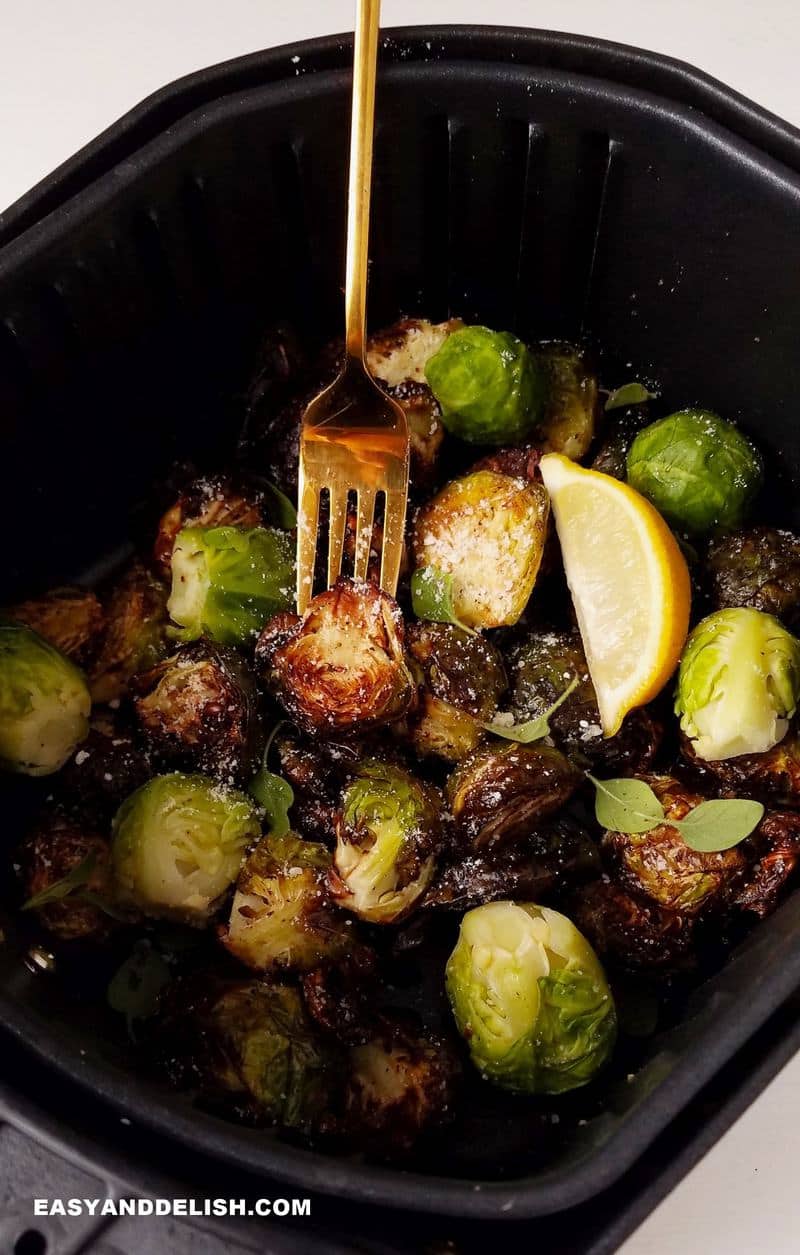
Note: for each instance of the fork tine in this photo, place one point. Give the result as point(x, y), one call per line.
point(307, 522)
point(393, 536)
point(336, 529)
point(366, 512)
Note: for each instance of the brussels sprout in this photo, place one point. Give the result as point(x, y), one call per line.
point(65, 872)
point(210, 502)
point(619, 432)
point(44, 703)
point(316, 773)
point(342, 667)
point(177, 845)
point(488, 385)
point(738, 684)
point(530, 997)
point(228, 581)
point(570, 400)
point(463, 678)
point(486, 530)
point(660, 865)
point(634, 935)
point(425, 431)
point(759, 568)
point(500, 794)
point(198, 709)
point(135, 633)
point(106, 768)
point(772, 777)
point(777, 846)
point(387, 836)
point(400, 353)
point(399, 1084)
point(340, 996)
point(281, 915)
point(699, 471)
point(69, 619)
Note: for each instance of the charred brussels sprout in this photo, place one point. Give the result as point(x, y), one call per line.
point(503, 793)
point(486, 532)
point(759, 568)
point(66, 875)
point(399, 353)
point(135, 633)
point(738, 684)
point(488, 385)
point(211, 502)
point(619, 432)
point(106, 768)
point(634, 934)
point(772, 777)
point(228, 581)
point(659, 865)
point(69, 619)
point(777, 848)
point(463, 679)
point(281, 915)
point(425, 431)
point(387, 836)
point(530, 997)
point(178, 843)
point(570, 400)
point(699, 471)
point(340, 995)
point(44, 703)
point(198, 709)
point(342, 667)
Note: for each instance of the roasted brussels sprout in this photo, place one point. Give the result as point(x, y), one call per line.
point(66, 868)
point(503, 793)
point(316, 772)
point(425, 431)
point(198, 710)
point(228, 581)
point(619, 432)
point(659, 865)
point(135, 633)
point(210, 502)
point(340, 995)
point(399, 1084)
point(342, 667)
point(633, 934)
point(44, 703)
point(777, 846)
point(400, 353)
point(282, 915)
point(542, 667)
point(463, 678)
point(488, 385)
point(772, 777)
point(530, 997)
point(486, 531)
point(387, 836)
point(178, 843)
point(570, 400)
point(760, 568)
point(738, 684)
point(69, 619)
point(109, 764)
point(699, 471)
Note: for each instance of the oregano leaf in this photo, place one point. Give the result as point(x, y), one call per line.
point(626, 805)
point(134, 989)
point(432, 597)
point(719, 824)
point(67, 885)
point(284, 509)
point(628, 394)
point(533, 729)
point(272, 792)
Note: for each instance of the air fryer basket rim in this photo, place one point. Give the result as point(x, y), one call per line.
point(36, 217)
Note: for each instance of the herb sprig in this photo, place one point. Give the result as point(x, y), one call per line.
point(717, 824)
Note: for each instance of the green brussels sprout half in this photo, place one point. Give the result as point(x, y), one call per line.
point(488, 385)
point(227, 581)
point(530, 998)
point(738, 683)
point(387, 835)
point(44, 703)
point(699, 471)
point(177, 845)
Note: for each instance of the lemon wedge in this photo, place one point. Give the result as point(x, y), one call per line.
point(629, 583)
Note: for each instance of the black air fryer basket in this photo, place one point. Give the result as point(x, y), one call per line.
point(531, 181)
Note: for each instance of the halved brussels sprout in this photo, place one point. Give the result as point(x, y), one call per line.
point(488, 385)
point(135, 633)
point(342, 667)
point(69, 619)
point(282, 916)
point(502, 793)
point(699, 471)
point(463, 678)
point(214, 501)
point(399, 353)
point(487, 531)
point(198, 709)
point(759, 567)
point(634, 934)
point(178, 843)
point(44, 703)
point(660, 865)
point(425, 431)
point(63, 855)
point(776, 843)
point(340, 995)
point(228, 581)
point(570, 400)
point(530, 998)
point(772, 777)
point(387, 836)
point(738, 684)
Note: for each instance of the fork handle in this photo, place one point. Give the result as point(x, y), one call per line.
point(362, 126)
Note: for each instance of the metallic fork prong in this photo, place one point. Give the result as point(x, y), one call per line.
point(336, 530)
point(394, 526)
point(364, 524)
point(307, 524)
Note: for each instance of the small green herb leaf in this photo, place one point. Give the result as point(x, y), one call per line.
point(719, 824)
point(626, 805)
point(533, 729)
point(432, 597)
point(134, 989)
point(284, 509)
point(272, 792)
point(628, 394)
point(67, 885)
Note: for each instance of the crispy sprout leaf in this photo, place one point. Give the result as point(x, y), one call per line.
point(628, 394)
point(532, 729)
point(433, 599)
point(134, 989)
point(66, 886)
point(719, 824)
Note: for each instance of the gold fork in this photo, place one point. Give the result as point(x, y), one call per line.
point(354, 438)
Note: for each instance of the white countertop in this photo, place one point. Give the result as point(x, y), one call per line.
point(68, 68)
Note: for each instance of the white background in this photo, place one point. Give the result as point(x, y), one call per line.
point(70, 67)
